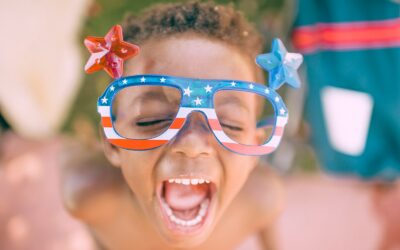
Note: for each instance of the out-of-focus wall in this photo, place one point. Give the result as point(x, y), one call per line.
point(40, 63)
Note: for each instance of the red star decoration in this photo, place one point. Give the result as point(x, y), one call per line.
point(109, 53)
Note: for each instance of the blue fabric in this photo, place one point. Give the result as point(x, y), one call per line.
point(375, 71)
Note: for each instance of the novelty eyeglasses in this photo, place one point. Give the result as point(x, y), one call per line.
point(143, 112)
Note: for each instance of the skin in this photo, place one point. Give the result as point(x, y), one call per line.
point(387, 202)
point(248, 198)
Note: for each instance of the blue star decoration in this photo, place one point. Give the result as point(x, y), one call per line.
point(281, 65)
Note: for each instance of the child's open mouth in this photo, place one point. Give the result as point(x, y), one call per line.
point(185, 203)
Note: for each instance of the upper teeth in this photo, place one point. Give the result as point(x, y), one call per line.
point(193, 181)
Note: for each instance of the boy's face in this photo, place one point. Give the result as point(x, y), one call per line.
point(185, 213)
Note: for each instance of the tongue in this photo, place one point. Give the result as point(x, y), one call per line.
point(184, 197)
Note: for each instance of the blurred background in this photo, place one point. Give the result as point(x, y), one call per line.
point(339, 160)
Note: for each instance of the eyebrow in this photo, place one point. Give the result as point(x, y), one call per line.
point(143, 97)
point(150, 95)
point(232, 99)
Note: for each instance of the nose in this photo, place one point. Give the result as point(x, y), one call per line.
point(195, 138)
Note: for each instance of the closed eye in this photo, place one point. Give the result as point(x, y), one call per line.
point(234, 128)
point(153, 122)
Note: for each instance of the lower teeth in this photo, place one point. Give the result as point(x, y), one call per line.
point(199, 217)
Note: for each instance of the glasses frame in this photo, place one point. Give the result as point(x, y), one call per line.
point(189, 105)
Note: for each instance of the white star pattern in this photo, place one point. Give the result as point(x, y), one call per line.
point(112, 88)
point(187, 91)
point(198, 101)
point(282, 111)
point(162, 80)
point(104, 100)
point(276, 99)
point(233, 84)
point(142, 79)
point(251, 86)
point(208, 88)
point(124, 81)
point(266, 91)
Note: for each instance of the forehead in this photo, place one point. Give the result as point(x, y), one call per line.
point(192, 56)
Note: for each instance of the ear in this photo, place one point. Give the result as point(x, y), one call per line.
point(111, 152)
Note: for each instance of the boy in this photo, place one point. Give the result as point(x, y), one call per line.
point(190, 193)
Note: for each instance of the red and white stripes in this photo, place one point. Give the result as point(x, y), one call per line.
point(347, 36)
point(143, 144)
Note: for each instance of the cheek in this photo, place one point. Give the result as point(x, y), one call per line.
point(240, 167)
point(251, 137)
point(137, 168)
point(237, 169)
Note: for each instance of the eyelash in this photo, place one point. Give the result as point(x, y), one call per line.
point(156, 122)
point(234, 128)
point(151, 123)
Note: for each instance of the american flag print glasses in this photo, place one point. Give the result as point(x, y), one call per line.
point(144, 112)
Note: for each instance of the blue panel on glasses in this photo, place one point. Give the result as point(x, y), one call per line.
point(196, 93)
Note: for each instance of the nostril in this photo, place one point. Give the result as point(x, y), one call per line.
point(191, 153)
point(192, 144)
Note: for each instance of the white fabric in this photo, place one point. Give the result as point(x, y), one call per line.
point(40, 64)
point(347, 116)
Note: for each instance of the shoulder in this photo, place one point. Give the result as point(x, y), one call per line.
point(90, 186)
point(263, 193)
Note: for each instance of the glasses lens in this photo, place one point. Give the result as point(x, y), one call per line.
point(245, 117)
point(144, 112)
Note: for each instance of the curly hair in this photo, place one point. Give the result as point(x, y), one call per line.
point(215, 21)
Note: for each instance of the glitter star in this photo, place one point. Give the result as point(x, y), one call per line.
point(104, 100)
point(198, 101)
point(142, 79)
point(251, 86)
point(233, 84)
point(266, 91)
point(208, 88)
point(162, 80)
point(276, 99)
point(281, 65)
point(112, 88)
point(282, 111)
point(187, 91)
point(109, 53)
point(124, 81)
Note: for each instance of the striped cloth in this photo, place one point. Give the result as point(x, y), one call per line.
point(352, 54)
